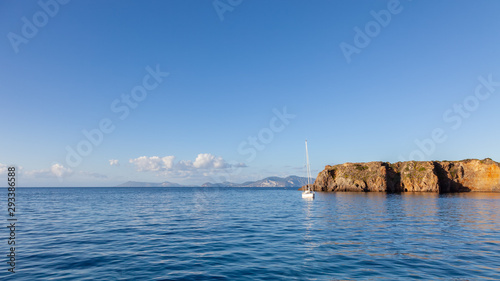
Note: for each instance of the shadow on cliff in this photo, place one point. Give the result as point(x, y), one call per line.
point(446, 184)
point(392, 179)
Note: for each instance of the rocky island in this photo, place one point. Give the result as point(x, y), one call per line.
point(411, 176)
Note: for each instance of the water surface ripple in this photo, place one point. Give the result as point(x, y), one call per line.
point(253, 234)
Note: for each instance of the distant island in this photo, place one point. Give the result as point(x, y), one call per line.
point(411, 176)
point(291, 181)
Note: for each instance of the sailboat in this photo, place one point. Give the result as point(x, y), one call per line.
point(307, 192)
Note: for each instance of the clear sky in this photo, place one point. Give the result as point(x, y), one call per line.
point(247, 83)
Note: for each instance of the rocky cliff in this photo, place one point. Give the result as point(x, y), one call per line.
point(411, 176)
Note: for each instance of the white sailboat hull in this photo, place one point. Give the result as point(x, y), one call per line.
point(308, 195)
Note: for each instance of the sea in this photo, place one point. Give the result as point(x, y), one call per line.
point(194, 233)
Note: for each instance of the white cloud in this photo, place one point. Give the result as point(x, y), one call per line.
point(60, 171)
point(204, 162)
point(56, 170)
point(114, 162)
point(37, 173)
point(3, 168)
point(209, 161)
point(153, 163)
point(184, 165)
point(168, 161)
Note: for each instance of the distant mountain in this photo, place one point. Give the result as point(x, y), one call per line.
point(291, 181)
point(149, 184)
point(220, 184)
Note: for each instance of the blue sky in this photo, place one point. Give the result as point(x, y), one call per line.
point(233, 68)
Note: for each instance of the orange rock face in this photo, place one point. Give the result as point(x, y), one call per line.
point(411, 176)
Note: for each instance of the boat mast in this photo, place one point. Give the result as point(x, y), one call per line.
point(308, 169)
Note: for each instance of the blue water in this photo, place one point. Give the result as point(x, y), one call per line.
point(252, 234)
